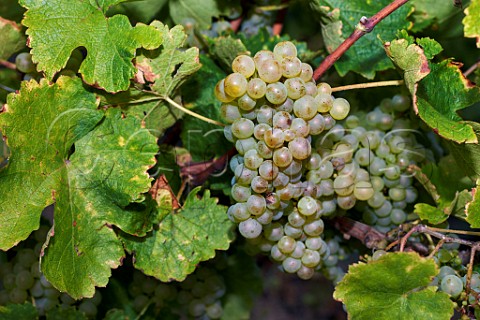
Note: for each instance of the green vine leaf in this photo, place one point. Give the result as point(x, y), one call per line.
point(339, 19)
point(106, 173)
point(201, 12)
point(202, 139)
point(57, 27)
point(472, 16)
point(428, 12)
point(142, 11)
point(24, 311)
point(169, 66)
point(472, 208)
point(11, 38)
point(156, 115)
point(429, 213)
point(226, 49)
point(437, 104)
point(393, 287)
point(467, 155)
point(445, 183)
point(66, 313)
point(182, 239)
point(61, 114)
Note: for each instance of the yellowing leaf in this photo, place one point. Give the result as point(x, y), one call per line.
point(107, 171)
point(57, 27)
point(60, 114)
point(91, 188)
point(411, 59)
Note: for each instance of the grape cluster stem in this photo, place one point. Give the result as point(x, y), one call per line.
point(365, 26)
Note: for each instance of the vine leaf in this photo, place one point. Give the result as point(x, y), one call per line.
point(61, 114)
point(467, 155)
point(142, 11)
point(437, 103)
point(201, 12)
point(394, 286)
point(428, 12)
point(433, 100)
point(410, 58)
point(66, 313)
point(182, 239)
point(472, 208)
point(203, 140)
point(430, 213)
point(11, 38)
point(226, 49)
point(443, 182)
point(169, 66)
point(57, 27)
point(339, 19)
point(472, 16)
point(24, 311)
point(107, 171)
point(156, 115)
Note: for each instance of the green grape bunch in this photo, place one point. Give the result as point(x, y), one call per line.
point(274, 108)
point(302, 159)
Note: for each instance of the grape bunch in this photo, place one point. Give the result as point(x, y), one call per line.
point(198, 296)
point(21, 280)
point(274, 108)
point(302, 158)
point(377, 149)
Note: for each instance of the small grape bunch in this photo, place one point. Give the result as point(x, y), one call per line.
point(383, 145)
point(21, 280)
point(197, 297)
point(273, 108)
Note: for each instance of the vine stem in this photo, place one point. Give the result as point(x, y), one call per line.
point(193, 114)
point(471, 69)
point(8, 64)
point(369, 85)
point(365, 26)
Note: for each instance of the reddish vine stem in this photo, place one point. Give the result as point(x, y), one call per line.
point(365, 26)
point(8, 64)
point(472, 69)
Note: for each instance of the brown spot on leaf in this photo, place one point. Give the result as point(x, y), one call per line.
point(146, 71)
point(162, 184)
